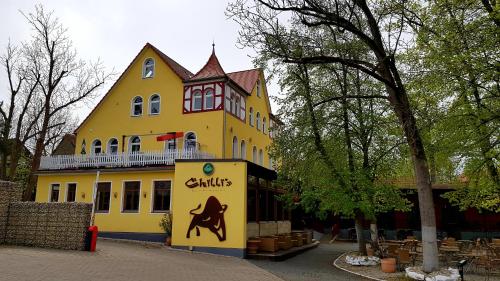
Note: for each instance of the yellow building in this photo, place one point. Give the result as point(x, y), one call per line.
point(145, 149)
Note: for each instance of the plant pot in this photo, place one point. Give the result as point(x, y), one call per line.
point(168, 241)
point(388, 265)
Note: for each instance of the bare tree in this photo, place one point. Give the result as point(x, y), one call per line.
point(378, 27)
point(64, 79)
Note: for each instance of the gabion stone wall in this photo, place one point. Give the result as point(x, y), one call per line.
point(50, 225)
point(9, 192)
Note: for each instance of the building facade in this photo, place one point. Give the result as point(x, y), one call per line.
point(156, 115)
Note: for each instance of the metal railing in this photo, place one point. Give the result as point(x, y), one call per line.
point(123, 159)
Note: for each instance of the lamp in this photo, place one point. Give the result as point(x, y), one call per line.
point(115, 194)
point(145, 194)
point(83, 195)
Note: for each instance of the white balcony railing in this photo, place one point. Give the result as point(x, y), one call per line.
point(124, 159)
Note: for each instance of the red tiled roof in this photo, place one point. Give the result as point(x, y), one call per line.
point(212, 69)
point(246, 79)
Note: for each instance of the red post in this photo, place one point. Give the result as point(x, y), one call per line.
point(93, 239)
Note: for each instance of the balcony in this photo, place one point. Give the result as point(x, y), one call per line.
point(120, 160)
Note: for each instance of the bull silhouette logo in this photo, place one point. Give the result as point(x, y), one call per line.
point(212, 218)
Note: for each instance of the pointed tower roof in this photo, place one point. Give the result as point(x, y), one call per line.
point(212, 68)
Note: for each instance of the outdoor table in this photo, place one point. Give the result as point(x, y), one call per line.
point(449, 252)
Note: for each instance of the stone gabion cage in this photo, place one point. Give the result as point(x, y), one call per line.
point(49, 225)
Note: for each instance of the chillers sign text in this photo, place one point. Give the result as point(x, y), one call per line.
point(210, 182)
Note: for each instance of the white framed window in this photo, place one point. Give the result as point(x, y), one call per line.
point(209, 99)
point(243, 150)
point(264, 125)
point(161, 196)
point(96, 146)
point(171, 144)
point(137, 106)
point(235, 147)
point(261, 157)
point(112, 146)
point(131, 196)
point(190, 141)
point(154, 104)
point(237, 106)
point(54, 192)
point(257, 120)
point(71, 192)
point(197, 100)
point(148, 69)
point(254, 154)
point(250, 117)
point(134, 144)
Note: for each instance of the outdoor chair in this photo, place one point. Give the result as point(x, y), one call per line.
point(403, 259)
point(392, 250)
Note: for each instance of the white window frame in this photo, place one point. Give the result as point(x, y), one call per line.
point(151, 209)
point(111, 196)
point(134, 103)
point(257, 121)
point(261, 157)
point(67, 189)
point(144, 68)
point(254, 154)
point(130, 144)
point(208, 91)
point(108, 148)
point(94, 146)
point(50, 192)
point(123, 196)
point(250, 117)
point(184, 146)
point(235, 147)
point(264, 120)
point(151, 104)
point(193, 100)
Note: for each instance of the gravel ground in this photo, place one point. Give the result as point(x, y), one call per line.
point(313, 265)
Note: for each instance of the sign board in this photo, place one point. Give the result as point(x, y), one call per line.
point(209, 204)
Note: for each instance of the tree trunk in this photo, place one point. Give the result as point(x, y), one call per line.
point(358, 224)
point(374, 230)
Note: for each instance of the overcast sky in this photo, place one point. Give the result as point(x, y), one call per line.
point(115, 31)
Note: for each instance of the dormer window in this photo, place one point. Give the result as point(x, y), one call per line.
point(209, 99)
point(149, 68)
point(137, 106)
point(154, 104)
point(197, 101)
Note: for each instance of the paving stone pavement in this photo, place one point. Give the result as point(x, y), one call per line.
point(123, 261)
point(313, 265)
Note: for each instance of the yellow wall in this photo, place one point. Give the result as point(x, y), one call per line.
point(243, 130)
point(187, 199)
point(112, 118)
point(115, 221)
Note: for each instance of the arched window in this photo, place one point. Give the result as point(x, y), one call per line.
point(84, 148)
point(209, 98)
point(237, 107)
point(250, 116)
point(197, 100)
point(148, 69)
point(137, 106)
point(235, 147)
point(113, 146)
point(254, 154)
point(135, 144)
point(261, 157)
point(258, 120)
point(243, 150)
point(258, 88)
point(154, 104)
point(190, 141)
point(96, 147)
point(264, 125)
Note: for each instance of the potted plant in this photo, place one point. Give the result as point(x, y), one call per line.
point(166, 225)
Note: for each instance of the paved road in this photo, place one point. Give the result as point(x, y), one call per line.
point(123, 261)
point(313, 265)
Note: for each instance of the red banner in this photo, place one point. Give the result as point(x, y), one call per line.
point(170, 136)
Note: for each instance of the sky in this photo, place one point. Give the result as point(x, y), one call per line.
point(115, 31)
